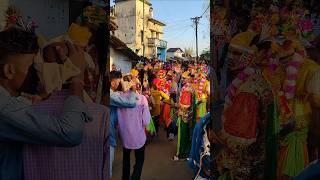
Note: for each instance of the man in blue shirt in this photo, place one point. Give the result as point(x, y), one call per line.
point(19, 123)
point(117, 101)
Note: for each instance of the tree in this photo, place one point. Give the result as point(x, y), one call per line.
point(188, 52)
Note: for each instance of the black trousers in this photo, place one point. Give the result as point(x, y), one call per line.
point(156, 120)
point(172, 129)
point(139, 154)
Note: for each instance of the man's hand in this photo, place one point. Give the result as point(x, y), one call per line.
point(76, 56)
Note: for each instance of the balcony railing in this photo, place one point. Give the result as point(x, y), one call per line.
point(154, 42)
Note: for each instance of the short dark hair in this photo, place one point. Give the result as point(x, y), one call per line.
point(15, 41)
point(115, 75)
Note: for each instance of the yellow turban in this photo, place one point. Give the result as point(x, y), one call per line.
point(134, 72)
point(243, 40)
point(241, 53)
point(170, 73)
point(79, 35)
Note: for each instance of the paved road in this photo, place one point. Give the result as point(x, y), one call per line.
point(158, 164)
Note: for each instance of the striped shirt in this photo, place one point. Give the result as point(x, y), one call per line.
point(89, 160)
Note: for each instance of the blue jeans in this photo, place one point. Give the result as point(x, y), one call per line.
point(111, 159)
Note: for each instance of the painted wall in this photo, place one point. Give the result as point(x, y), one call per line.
point(52, 16)
point(120, 60)
point(125, 13)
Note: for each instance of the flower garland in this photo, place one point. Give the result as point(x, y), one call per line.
point(166, 87)
point(292, 71)
point(200, 89)
point(15, 20)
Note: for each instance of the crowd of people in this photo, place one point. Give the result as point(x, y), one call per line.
point(155, 94)
point(268, 60)
point(53, 97)
point(269, 77)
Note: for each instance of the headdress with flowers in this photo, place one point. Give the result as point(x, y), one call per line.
point(15, 20)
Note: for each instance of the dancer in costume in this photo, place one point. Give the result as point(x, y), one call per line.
point(165, 108)
point(245, 117)
point(202, 93)
point(171, 122)
point(298, 87)
point(156, 98)
point(185, 118)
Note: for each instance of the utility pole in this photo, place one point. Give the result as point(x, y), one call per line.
point(143, 50)
point(196, 21)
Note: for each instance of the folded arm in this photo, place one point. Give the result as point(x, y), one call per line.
point(19, 122)
point(123, 102)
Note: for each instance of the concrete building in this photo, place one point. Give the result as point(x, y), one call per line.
point(132, 21)
point(120, 55)
point(174, 52)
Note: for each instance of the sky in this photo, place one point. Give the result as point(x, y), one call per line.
point(179, 31)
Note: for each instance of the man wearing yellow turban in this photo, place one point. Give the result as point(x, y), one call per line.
point(135, 76)
point(241, 52)
point(296, 81)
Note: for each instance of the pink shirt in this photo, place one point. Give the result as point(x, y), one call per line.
point(132, 123)
point(89, 160)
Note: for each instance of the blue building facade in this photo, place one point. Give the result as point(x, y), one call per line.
point(162, 50)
